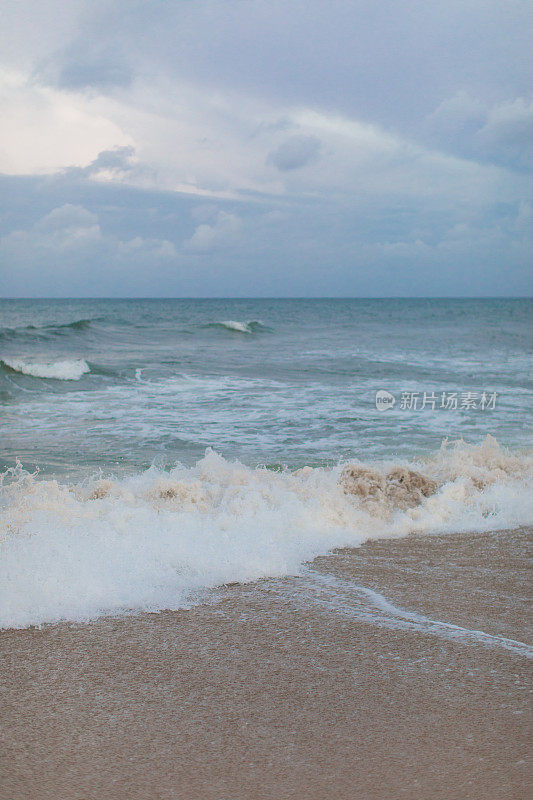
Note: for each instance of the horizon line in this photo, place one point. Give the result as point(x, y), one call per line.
point(278, 297)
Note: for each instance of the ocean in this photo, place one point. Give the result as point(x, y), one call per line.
point(153, 450)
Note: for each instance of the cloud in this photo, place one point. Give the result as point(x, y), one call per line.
point(224, 232)
point(501, 133)
point(66, 228)
point(157, 139)
point(141, 243)
point(33, 30)
point(295, 152)
point(70, 237)
point(119, 164)
point(507, 135)
point(44, 130)
point(85, 64)
point(456, 117)
point(222, 145)
point(104, 69)
point(390, 62)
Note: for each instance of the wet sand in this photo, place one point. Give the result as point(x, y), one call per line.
point(367, 677)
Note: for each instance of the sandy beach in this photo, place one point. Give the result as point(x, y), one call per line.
point(266, 464)
point(396, 670)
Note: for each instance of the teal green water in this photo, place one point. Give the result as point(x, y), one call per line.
point(120, 384)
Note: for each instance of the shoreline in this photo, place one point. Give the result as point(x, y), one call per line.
point(307, 687)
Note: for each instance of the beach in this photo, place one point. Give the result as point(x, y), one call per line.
point(266, 391)
point(396, 669)
point(264, 549)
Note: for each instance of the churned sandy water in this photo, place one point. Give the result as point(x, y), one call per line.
point(399, 669)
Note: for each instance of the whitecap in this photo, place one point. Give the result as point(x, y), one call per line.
point(235, 325)
point(67, 370)
point(150, 541)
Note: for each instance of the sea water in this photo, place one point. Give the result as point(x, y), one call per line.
point(152, 449)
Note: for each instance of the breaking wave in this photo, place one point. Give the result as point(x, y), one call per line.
point(251, 326)
point(151, 541)
point(66, 370)
point(54, 330)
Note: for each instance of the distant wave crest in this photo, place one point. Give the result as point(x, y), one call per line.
point(77, 325)
point(50, 329)
point(238, 326)
point(66, 370)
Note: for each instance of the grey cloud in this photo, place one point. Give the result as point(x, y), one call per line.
point(457, 117)
point(264, 127)
point(507, 134)
point(69, 234)
point(118, 158)
point(223, 232)
point(99, 73)
point(143, 243)
point(66, 228)
point(391, 62)
point(82, 65)
point(295, 152)
point(118, 164)
point(405, 212)
point(501, 133)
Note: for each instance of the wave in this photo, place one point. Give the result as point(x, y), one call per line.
point(366, 605)
point(50, 329)
point(237, 326)
point(77, 325)
point(151, 541)
point(66, 370)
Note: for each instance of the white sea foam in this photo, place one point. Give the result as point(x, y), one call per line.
point(365, 605)
point(147, 542)
point(67, 370)
point(235, 325)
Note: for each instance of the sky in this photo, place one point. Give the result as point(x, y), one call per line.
point(265, 148)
